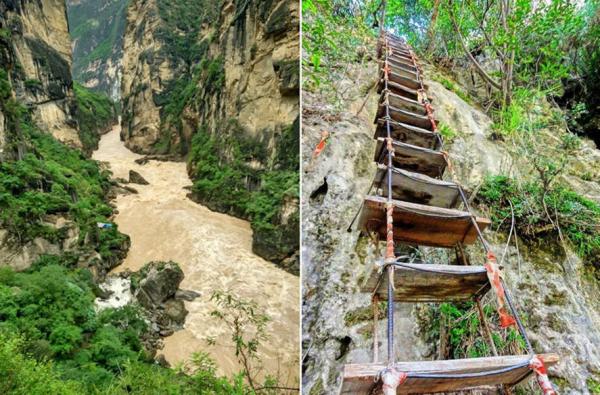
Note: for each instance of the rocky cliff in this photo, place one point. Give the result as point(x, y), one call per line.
point(555, 289)
point(221, 87)
point(97, 29)
point(51, 196)
point(37, 55)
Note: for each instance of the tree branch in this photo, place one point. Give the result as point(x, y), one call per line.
point(474, 61)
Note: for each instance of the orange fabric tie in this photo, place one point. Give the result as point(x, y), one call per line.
point(493, 273)
point(321, 146)
point(537, 365)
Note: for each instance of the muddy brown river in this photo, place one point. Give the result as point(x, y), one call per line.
point(214, 250)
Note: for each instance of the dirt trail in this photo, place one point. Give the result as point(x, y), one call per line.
point(214, 251)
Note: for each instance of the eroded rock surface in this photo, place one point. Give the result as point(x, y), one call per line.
point(554, 295)
point(41, 64)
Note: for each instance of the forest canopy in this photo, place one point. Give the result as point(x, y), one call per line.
point(550, 46)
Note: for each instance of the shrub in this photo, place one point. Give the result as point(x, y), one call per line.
point(536, 211)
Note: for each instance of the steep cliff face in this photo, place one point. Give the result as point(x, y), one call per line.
point(555, 293)
point(52, 196)
point(40, 63)
point(97, 29)
point(221, 87)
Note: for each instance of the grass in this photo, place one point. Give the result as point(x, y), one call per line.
point(447, 132)
point(451, 86)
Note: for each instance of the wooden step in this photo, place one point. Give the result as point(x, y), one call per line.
point(417, 224)
point(402, 79)
point(398, 53)
point(405, 116)
point(398, 89)
point(400, 61)
point(406, 65)
point(408, 134)
point(400, 50)
point(426, 282)
point(361, 379)
point(418, 188)
point(400, 68)
point(412, 158)
point(403, 103)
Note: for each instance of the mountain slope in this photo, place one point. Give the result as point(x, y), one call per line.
point(96, 29)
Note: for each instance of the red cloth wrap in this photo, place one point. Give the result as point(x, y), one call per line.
point(389, 251)
point(391, 379)
point(537, 365)
point(493, 273)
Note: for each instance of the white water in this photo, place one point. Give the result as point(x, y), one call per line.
point(214, 251)
point(120, 289)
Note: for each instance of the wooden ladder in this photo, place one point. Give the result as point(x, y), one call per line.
point(413, 205)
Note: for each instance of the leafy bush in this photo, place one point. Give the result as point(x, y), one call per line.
point(55, 179)
point(536, 211)
point(20, 374)
point(225, 180)
point(95, 114)
point(458, 325)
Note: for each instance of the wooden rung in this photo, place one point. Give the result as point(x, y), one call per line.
point(408, 134)
point(418, 188)
point(404, 116)
point(419, 224)
point(402, 70)
point(361, 379)
point(398, 89)
point(403, 103)
point(407, 65)
point(400, 61)
point(412, 158)
point(402, 78)
point(425, 282)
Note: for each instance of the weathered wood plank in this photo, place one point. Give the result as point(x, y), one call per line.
point(398, 89)
point(441, 283)
point(412, 158)
point(418, 188)
point(420, 224)
point(402, 78)
point(404, 116)
point(408, 65)
point(360, 378)
point(400, 102)
point(408, 134)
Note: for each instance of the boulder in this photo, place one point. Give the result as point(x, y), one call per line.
point(175, 311)
point(187, 295)
point(156, 282)
point(136, 178)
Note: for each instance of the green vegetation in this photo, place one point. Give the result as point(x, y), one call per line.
point(540, 212)
point(52, 309)
point(97, 28)
point(207, 77)
point(593, 385)
point(458, 328)
point(332, 36)
point(182, 21)
point(54, 179)
point(104, 355)
point(50, 178)
point(451, 86)
point(447, 132)
point(235, 186)
point(96, 113)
